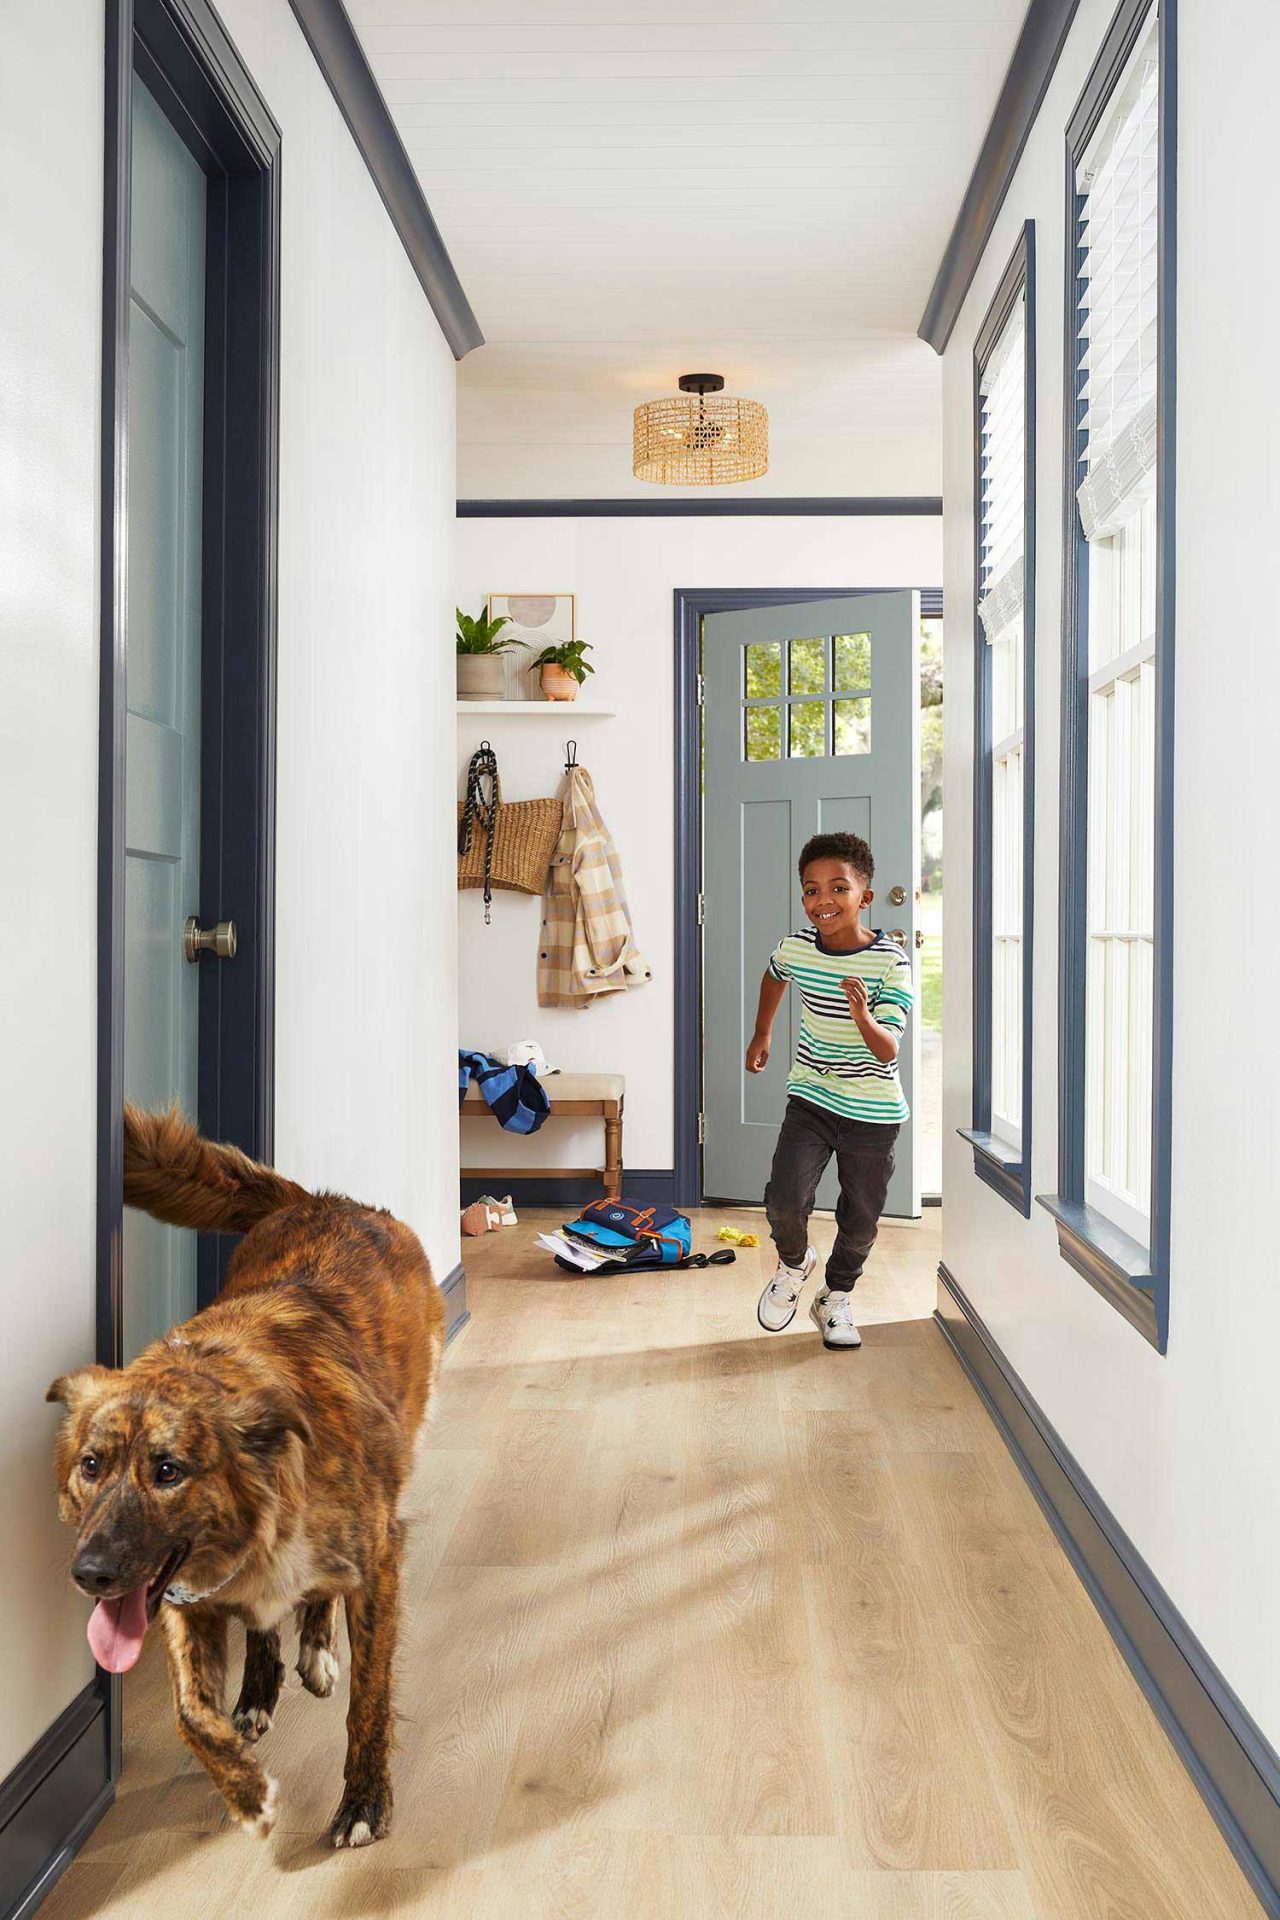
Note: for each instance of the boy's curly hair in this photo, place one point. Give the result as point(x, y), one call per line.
point(849, 847)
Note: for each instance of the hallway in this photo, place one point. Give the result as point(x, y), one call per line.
point(704, 1622)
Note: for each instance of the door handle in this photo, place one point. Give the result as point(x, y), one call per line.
point(219, 940)
point(919, 936)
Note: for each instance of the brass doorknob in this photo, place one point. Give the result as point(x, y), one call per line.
point(219, 941)
point(897, 896)
point(899, 934)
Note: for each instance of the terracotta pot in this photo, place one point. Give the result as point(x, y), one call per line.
point(479, 676)
point(557, 684)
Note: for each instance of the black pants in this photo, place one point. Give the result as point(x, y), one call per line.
point(864, 1161)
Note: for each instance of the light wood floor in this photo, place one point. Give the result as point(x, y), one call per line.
point(705, 1622)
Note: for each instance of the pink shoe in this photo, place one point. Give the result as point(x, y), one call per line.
point(478, 1218)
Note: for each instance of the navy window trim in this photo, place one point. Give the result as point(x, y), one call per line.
point(1134, 1278)
point(1004, 1168)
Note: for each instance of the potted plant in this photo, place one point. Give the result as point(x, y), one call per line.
point(480, 654)
point(563, 669)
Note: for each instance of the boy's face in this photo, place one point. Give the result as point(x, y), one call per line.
point(834, 894)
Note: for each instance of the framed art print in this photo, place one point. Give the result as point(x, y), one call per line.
point(540, 620)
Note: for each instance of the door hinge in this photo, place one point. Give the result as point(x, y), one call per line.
point(702, 690)
point(702, 909)
point(702, 1129)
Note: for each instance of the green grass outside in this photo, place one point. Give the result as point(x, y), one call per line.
point(931, 962)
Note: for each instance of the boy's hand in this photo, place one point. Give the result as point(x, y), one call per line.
point(757, 1053)
point(855, 992)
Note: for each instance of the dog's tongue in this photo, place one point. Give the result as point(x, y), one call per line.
point(116, 1630)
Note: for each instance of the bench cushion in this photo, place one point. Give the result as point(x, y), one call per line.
point(568, 1086)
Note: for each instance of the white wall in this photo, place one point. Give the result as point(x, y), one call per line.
point(625, 572)
point(366, 1014)
point(50, 360)
point(1186, 1448)
point(366, 1081)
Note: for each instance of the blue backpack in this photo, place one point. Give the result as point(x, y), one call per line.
point(637, 1237)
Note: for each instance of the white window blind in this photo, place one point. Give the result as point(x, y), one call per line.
point(1003, 448)
point(1118, 176)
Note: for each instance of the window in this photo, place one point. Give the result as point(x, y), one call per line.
point(820, 705)
point(1004, 571)
point(1112, 1209)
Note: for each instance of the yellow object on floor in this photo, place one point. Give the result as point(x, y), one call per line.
point(737, 1239)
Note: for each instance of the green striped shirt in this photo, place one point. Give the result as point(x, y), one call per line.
point(834, 1067)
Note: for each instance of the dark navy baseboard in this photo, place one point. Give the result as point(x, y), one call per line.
point(51, 1802)
point(1234, 1767)
point(655, 1186)
point(454, 1289)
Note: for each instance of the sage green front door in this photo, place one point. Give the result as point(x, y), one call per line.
point(162, 746)
point(811, 725)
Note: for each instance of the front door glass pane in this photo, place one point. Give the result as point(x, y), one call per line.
point(764, 670)
point(852, 729)
point(808, 666)
point(852, 672)
point(807, 732)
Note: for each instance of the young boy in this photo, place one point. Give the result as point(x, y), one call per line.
point(844, 1093)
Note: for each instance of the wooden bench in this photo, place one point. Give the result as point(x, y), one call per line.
point(573, 1096)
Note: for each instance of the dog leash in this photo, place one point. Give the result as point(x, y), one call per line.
point(484, 766)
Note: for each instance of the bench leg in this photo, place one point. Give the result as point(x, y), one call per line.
point(612, 1153)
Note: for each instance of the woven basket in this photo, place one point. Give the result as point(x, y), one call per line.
point(524, 840)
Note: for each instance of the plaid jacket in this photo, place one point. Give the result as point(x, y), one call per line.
point(587, 947)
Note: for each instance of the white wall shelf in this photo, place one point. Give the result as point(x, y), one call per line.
point(565, 710)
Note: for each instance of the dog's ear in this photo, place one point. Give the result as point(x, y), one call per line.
point(73, 1389)
point(265, 1419)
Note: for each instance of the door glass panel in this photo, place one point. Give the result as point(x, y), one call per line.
point(162, 679)
point(808, 666)
point(764, 733)
point(852, 726)
point(807, 730)
point(764, 670)
point(852, 663)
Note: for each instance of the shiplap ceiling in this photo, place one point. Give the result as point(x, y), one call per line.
point(761, 187)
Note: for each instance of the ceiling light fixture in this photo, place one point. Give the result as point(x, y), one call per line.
point(706, 438)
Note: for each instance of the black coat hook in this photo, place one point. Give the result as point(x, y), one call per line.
point(570, 755)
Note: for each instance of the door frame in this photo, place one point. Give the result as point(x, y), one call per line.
point(182, 52)
point(691, 604)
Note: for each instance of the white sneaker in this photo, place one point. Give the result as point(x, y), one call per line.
point(832, 1314)
point(778, 1302)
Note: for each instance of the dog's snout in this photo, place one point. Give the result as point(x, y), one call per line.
point(94, 1571)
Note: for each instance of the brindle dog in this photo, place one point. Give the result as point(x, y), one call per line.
point(251, 1462)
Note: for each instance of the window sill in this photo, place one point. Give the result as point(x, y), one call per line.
point(1000, 1166)
point(1118, 1267)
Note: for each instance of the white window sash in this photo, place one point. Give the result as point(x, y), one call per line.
point(1124, 665)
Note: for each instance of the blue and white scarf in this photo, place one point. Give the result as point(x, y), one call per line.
point(515, 1096)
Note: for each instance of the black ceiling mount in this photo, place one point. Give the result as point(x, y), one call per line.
point(701, 382)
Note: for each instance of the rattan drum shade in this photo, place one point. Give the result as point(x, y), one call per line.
point(700, 437)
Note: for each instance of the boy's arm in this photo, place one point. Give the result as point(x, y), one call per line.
point(881, 1041)
point(771, 992)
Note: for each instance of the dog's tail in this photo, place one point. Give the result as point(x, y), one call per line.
point(172, 1172)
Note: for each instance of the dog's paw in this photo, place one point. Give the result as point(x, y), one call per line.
point(318, 1670)
point(260, 1818)
point(252, 1722)
point(361, 1819)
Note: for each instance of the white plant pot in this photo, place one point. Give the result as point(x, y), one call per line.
point(479, 676)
